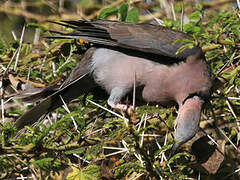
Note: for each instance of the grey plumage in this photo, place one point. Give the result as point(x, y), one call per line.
point(126, 49)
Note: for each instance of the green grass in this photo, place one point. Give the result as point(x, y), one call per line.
point(58, 149)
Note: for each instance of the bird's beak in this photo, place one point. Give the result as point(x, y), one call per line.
point(187, 122)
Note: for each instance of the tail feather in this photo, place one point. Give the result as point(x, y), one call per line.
point(33, 95)
point(69, 92)
point(79, 82)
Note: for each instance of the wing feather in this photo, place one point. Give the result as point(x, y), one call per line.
point(142, 37)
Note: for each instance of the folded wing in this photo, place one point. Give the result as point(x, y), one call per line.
point(141, 37)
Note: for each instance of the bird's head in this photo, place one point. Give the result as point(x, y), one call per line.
point(188, 119)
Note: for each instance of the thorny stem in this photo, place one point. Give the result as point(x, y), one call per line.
point(149, 165)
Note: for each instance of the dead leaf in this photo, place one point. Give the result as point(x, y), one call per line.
point(38, 85)
point(14, 81)
point(213, 163)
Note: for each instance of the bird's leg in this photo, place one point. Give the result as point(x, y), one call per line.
point(115, 97)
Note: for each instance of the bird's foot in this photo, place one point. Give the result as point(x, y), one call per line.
point(122, 107)
point(125, 110)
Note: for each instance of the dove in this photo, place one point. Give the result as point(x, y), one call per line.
point(124, 53)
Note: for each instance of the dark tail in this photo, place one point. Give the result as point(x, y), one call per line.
point(79, 82)
point(32, 95)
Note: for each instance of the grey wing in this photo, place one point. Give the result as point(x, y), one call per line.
point(141, 37)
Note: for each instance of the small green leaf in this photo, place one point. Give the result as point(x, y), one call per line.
point(177, 156)
point(193, 28)
point(230, 41)
point(123, 10)
point(76, 151)
point(233, 132)
point(126, 169)
point(185, 46)
point(196, 16)
point(107, 12)
point(35, 25)
point(88, 173)
point(133, 15)
point(183, 41)
point(47, 164)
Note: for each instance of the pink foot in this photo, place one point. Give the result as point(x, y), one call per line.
point(122, 107)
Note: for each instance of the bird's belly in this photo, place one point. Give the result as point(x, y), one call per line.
point(116, 69)
point(153, 96)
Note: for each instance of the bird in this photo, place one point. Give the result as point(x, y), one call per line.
point(124, 52)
